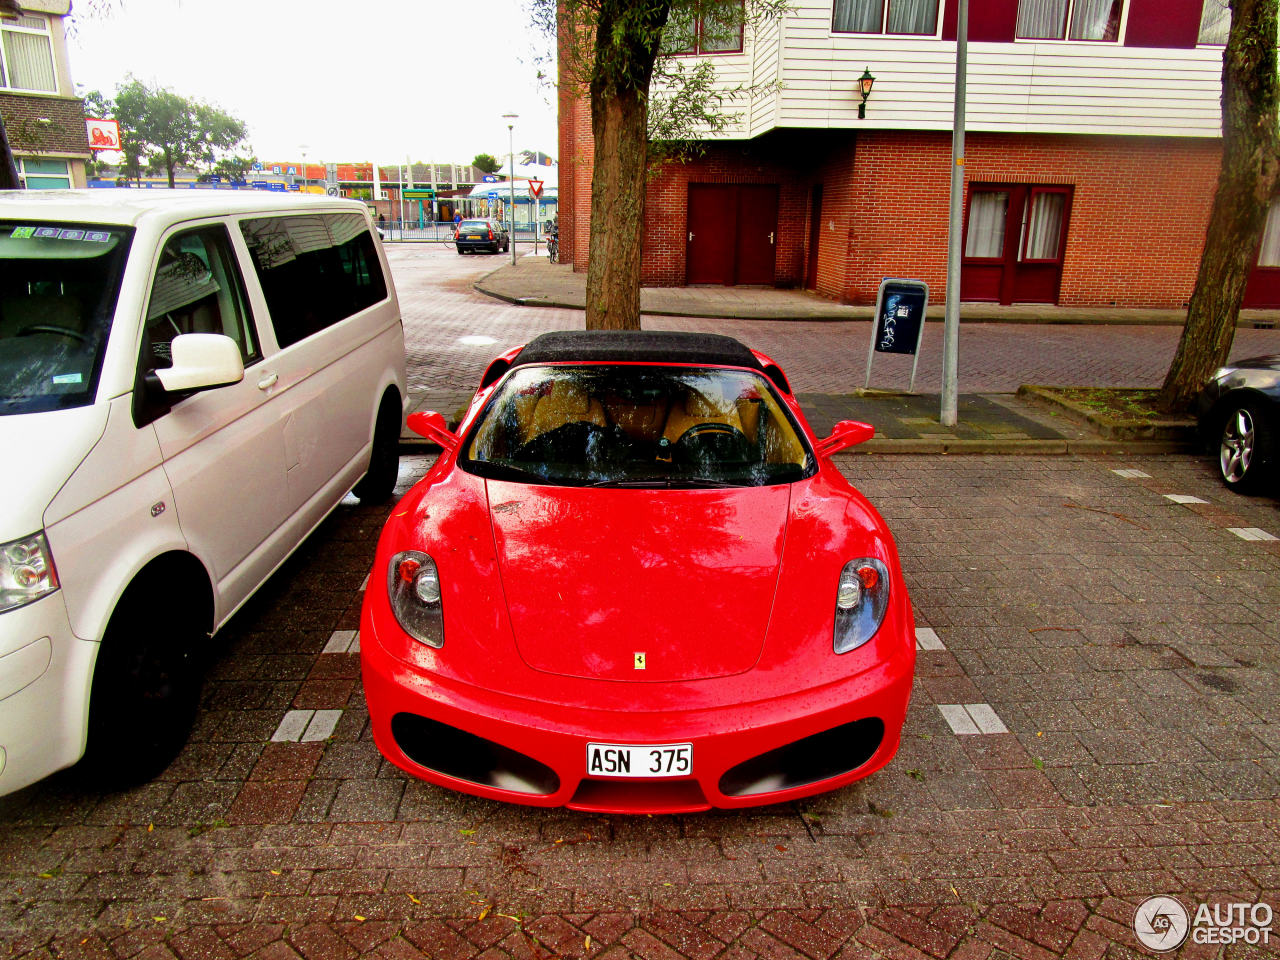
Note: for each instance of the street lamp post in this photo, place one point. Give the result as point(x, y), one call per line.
point(511, 145)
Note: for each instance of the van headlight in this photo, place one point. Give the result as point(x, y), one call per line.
point(413, 586)
point(26, 571)
point(862, 597)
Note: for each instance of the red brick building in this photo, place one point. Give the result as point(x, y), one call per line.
point(1092, 151)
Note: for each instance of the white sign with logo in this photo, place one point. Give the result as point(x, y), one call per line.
point(103, 134)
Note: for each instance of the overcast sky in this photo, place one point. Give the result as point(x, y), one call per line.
point(374, 80)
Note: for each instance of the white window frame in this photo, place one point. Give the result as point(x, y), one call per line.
point(1204, 8)
point(1066, 38)
point(23, 173)
point(884, 23)
point(25, 24)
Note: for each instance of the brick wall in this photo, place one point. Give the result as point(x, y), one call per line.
point(1139, 210)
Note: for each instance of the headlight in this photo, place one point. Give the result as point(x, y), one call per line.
point(413, 585)
point(26, 571)
point(862, 597)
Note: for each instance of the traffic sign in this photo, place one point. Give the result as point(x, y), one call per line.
point(535, 188)
point(493, 195)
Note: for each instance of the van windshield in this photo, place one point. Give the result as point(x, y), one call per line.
point(58, 289)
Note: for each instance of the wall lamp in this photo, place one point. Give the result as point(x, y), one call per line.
point(865, 83)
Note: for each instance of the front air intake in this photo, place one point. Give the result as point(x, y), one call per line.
point(815, 758)
point(465, 756)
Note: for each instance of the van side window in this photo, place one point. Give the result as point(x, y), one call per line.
point(315, 270)
point(198, 289)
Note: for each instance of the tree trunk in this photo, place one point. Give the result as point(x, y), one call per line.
point(618, 123)
point(627, 38)
point(1245, 186)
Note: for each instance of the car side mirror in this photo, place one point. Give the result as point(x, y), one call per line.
point(201, 361)
point(846, 433)
point(429, 424)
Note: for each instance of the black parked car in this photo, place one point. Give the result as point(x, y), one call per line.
point(490, 235)
point(1239, 418)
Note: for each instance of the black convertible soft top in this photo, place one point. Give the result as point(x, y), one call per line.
point(642, 346)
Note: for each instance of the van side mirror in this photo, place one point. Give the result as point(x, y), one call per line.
point(201, 361)
point(846, 433)
point(432, 425)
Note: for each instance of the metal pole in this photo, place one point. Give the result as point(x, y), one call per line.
point(951, 325)
point(511, 144)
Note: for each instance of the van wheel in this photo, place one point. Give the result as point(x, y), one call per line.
point(377, 485)
point(146, 688)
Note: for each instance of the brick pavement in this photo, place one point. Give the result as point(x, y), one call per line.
point(819, 356)
point(1126, 642)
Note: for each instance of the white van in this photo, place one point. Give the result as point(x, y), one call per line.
point(190, 381)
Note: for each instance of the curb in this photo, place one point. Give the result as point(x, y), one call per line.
point(1180, 430)
point(1259, 319)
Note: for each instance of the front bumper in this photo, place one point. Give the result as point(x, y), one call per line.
point(528, 750)
point(45, 679)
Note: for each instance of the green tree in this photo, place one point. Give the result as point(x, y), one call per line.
point(1246, 183)
point(168, 130)
point(486, 163)
point(624, 54)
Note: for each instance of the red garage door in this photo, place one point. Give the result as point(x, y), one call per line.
point(732, 233)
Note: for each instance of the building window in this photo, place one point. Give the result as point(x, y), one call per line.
point(1269, 249)
point(988, 211)
point(1042, 220)
point(715, 27)
point(906, 17)
point(1215, 21)
point(1069, 19)
point(44, 174)
point(26, 54)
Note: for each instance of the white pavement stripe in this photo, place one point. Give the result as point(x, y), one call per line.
point(1251, 533)
point(292, 726)
point(340, 642)
point(985, 717)
point(355, 645)
point(1183, 498)
point(958, 718)
point(365, 585)
point(321, 725)
point(927, 639)
point(1132, 474)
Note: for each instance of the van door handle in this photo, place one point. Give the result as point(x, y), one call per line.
point(691, 236)
point(269, 381)
point(771, 236)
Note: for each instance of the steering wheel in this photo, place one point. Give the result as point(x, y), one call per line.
point(712, 427)
point(54, 329)
point(712, 441)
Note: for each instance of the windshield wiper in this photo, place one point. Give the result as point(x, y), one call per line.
point(664, 482)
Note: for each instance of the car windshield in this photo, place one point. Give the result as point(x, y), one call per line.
point(636, 425)
point(58, 288)
point(476, 225)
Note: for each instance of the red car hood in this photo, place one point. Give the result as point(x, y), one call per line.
point(625, 584)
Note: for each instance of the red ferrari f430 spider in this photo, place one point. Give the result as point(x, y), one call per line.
point(634, 581)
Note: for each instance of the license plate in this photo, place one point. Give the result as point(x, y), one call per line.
point(474, 237)
point(633, 760)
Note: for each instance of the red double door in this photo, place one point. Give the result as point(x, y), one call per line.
point(732, 233)
point(1015, 235)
